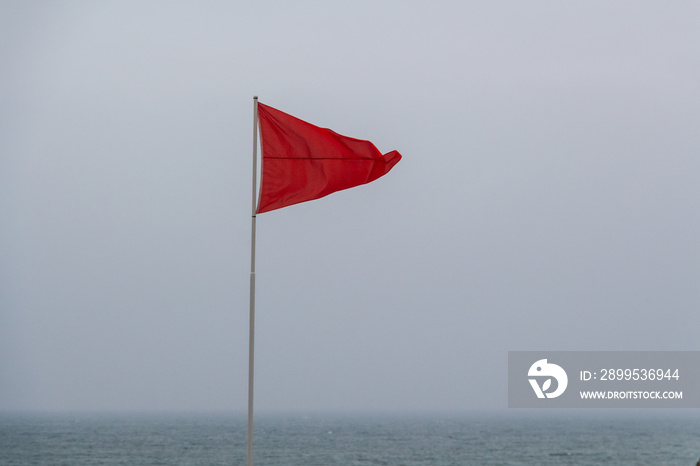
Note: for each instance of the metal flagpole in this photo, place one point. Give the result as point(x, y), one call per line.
point(251, 331)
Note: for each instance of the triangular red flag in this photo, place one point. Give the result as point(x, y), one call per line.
point(302, 162)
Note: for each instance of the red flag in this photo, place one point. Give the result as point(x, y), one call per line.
point(302, 162)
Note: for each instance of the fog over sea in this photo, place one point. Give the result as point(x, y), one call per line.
point(323, 439)
point(547, 200)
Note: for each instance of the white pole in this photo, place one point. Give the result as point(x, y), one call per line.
point(251, 330)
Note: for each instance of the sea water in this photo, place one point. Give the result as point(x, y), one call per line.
point(306, 440)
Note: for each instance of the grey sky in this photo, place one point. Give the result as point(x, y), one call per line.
point(548, 198)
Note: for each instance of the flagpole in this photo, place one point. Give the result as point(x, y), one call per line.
point(251, 330)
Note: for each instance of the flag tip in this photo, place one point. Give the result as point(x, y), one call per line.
point(255, 97)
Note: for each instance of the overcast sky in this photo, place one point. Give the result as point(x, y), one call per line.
point(548, 199)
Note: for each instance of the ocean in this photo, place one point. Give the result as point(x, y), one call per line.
point(307, 440)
